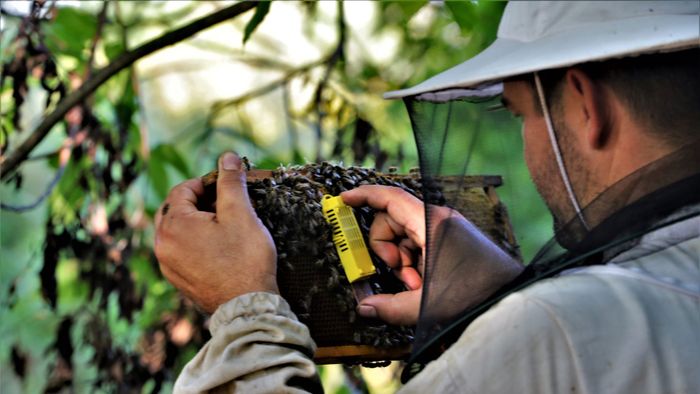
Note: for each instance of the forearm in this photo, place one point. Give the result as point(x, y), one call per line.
point(257, 345)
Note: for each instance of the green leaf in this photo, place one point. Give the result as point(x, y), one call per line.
point(68, 187)
point(158, 176)
point(161, 157)
point(114, 49)
point(260, 12)
point(410, 8)
point(465, 14)
point(268, 163)
point(142, 271)
point(72, 292)
point(168, 154)
point(70, 31)
point(490, 13)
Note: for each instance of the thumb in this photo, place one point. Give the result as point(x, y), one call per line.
point(399, 309)
point(231, 190)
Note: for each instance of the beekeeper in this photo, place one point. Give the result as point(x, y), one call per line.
point(608, 94)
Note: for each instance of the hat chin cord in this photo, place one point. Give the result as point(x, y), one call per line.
point(557, 151)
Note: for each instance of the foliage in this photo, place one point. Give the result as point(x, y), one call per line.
point(260, 12)
point(84, 307)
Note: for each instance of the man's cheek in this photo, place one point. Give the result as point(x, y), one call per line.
point(528, 153)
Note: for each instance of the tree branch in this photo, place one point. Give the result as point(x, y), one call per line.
point(64, 155)
point(124, 60)
point(222, 104)
point(101, 19)
point(337, 55)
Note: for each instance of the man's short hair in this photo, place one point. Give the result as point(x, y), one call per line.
point(662, 91)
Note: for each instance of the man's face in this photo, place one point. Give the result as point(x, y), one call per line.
point(521, 101)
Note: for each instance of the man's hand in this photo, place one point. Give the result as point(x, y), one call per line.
point(214, 257)
point(397, 236)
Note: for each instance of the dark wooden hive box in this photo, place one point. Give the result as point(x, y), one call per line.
point(307, 265)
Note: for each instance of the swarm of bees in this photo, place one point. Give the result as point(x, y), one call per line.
point(310, 276)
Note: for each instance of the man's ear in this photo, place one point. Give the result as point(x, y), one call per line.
point(588, 100)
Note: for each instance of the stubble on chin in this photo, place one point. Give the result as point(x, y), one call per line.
point(545, 185)
point(548, 179)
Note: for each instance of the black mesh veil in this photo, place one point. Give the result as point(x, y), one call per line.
point(463, 266)
point(447, 134)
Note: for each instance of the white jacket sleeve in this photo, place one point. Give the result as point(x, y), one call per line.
point(257, 346)
point(517, 347)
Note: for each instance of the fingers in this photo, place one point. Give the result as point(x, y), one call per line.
point(410, 277)
point(181, 202)
point(183, 198)
point(400, 308)
point(231, 190)
point(159, 216)
point(382, 237)
point(410, 252)
point(381, 198)
point(406, 210)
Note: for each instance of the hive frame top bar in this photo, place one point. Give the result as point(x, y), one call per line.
point(466, 180)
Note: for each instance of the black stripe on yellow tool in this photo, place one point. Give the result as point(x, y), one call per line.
point(350, 245)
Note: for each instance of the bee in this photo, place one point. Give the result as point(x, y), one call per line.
point(305, 302)
point(333, 278)
point(357, 337)
point(246, 163)
point(352, 316)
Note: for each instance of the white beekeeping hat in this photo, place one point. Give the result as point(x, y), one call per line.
point(541, 35)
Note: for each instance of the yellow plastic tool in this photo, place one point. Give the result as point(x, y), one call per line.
point(347, 238)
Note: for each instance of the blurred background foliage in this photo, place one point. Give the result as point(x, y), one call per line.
point(84, 307)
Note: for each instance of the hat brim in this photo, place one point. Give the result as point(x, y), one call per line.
point(507, 58)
